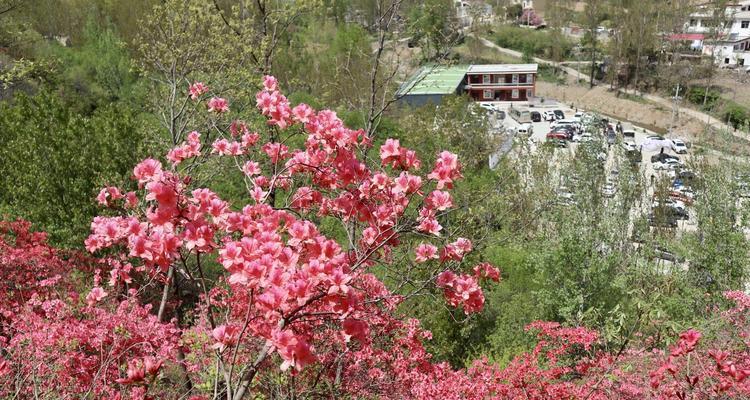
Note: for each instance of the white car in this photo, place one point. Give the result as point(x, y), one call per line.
point(583, 138)
point(668, 164)
point(578, 116)
point(609, 190)
point(676, 204)
point(487, 106)
point(629, 146)
point(549, 116)
point(525, 129)
point(679, 146)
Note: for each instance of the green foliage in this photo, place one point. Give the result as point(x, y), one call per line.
point(452, 126)
point(54, 161)
point(697, 94)
point(515, 10)
point(538, 43)
point(96, 73)
point(429, 23)
point(719, 251)
point(329, 62)
point(736, 115)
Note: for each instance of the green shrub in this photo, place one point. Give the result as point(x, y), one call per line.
point(696, 94)
point(538, 43)
point(735, 114)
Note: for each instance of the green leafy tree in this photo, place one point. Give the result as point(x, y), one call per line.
point(54, 161)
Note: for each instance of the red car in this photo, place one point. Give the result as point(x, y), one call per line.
point(557, 136)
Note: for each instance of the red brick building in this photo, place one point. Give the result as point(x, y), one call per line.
point(501, 82)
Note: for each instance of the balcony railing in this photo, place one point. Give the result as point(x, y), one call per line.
point(503, 84)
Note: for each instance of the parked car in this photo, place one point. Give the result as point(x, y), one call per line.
point(565, 197)
point(578, 116)
point(500, 114)
point(549, 116)
point(684, 196)
point(611, 137)
point(670, 211)
point(629, 146)
point(679, 146)
point(654, 137)
point(525, 129)
point(559, 114)
point(536, 117)
point(487, 107)
point(557, 135)
point(662, 221)
point(584, 137)
point(684, 176)
point(569, 130)
point(609, 190)
point(628, 130)
point(663, 157)
point(567, 124)
point(668, 164)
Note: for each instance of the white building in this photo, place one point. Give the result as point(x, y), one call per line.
point(728, 44)
point(469, 12)
point(524, 3)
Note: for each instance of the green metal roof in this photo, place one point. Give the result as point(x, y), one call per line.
point(432, 79)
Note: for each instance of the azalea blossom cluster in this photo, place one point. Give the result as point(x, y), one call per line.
point(48, 330)
point(277, 261)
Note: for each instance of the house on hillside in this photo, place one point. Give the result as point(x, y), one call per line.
point(727, 43)
point(524, 3)
point(486, 82)
point(431, 83)
point(470, 12)
point(501, 82)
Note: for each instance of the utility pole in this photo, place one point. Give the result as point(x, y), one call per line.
point(674, 108)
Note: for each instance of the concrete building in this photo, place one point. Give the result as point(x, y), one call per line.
point(487, 82)
point(728, 43)
point(471, 12)
point(501, 82)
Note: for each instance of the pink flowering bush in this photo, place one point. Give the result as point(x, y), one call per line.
point(290, 292)
point(281, 295)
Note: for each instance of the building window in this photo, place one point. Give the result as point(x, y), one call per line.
point(515, 78)
point(529, 78)
point(692, 22)
point(745, 24)
point(529, 93)
point(514, 94)
point(486, 79)
point(487, 94)
point(726, 61)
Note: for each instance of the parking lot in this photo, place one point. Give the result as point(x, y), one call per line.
point(641, 141)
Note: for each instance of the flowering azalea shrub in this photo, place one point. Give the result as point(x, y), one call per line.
point(290, 291)
point(30, 267)
point(284, 295)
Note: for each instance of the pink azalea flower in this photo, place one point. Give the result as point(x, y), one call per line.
point(270, 83)
point(96, 295)
point(425, 252)
point(218, 105)
point(197, 89)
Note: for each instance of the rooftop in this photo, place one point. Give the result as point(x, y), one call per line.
point(432, 79)
point(502, 68)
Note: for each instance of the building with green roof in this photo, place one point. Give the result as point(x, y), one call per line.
point(484, 82)
point(430, 83)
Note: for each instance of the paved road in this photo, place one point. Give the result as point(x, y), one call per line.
point(698, 115)
point(518, 54)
